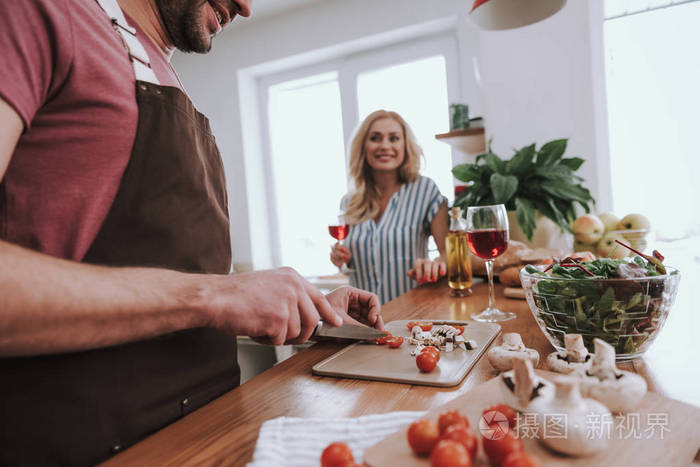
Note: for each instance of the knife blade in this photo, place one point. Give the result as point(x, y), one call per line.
point(346, 331)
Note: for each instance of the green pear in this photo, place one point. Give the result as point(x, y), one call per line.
point(609, 220)
point(634, 222)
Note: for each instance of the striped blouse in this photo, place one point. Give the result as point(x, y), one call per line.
point(383, 252)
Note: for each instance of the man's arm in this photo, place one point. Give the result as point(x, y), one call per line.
point(51, 305)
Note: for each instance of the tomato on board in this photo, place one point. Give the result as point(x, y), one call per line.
point(383, 340)
point(433, 350)
point(425, 326)
point(395, 342)
point(337, 455)
point(463, 435)
point(426, 361)
point(422, 436)
point(521, 459)
point(448, 453)
point(498, 446)
point(459, 328)
point(451, 417)
point(505, 410)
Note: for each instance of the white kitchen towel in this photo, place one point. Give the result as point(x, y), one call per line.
point(299, 442)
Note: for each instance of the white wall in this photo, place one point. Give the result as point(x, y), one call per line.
point(536, 83)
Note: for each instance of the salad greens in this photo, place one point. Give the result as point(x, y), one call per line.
point(574, 298)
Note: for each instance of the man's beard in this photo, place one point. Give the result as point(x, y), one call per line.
point(184, 24)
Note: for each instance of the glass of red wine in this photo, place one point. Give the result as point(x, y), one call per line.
point(339, 231)
point(487, 237)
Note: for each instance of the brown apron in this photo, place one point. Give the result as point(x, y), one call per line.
point(170, 211)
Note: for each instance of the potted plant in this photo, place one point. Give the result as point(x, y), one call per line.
point(536, 186)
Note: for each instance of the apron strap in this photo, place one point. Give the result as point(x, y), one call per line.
point(137, 53)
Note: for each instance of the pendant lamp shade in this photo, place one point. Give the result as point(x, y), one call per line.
point(509, 14)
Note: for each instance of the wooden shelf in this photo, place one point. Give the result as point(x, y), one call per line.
point(467, 140)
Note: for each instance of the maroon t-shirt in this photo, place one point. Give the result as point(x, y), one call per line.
point(64, 70)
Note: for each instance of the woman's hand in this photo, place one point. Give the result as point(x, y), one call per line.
point(340, 254)
point(425, 270)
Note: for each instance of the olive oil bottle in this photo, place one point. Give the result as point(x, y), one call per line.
point(459, 266)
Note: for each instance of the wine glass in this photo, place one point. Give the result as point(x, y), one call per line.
point(487, 237)
point(339, 231)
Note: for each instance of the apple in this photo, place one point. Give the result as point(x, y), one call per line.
point(609, 220)
point(633, 222)
point(607, 246)
point(588, 228)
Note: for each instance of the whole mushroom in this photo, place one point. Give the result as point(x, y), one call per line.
point(575, 359)
point(620, 391)
point(572, 415)
point(501, 356)
point(521, 386)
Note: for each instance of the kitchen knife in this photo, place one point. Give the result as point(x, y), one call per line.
point(346, 331)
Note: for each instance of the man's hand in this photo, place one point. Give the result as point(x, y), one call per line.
point(356, 306)
point(273, 307)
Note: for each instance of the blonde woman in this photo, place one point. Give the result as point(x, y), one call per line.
point(392, 211)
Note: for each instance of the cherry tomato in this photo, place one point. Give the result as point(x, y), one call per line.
point(383, 340)
point(498, 446)
point(395, 342)
point(451, 417)
point(423, 325)
point(433, 350)
point(426, 362)
point(521, 459)
point(422, 436)
point(505, 410)
point(459, 328)
point(463, 435)
point(337, 455)
point(448, 453)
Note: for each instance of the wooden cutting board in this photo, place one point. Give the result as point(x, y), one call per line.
point(679, 422)
point(381, 363)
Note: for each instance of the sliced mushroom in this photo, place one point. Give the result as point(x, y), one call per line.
point(500, 357)
point(575, 359)
point(572, 416)
point(620, 391)
point(521, 385)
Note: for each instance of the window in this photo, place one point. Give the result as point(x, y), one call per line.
point(311, 115)
point(653, 71)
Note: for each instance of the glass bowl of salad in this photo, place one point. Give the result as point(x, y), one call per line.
point(625, 302)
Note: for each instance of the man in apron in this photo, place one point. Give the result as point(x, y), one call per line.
point(117, 313)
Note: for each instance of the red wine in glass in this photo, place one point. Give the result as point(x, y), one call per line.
point(339, 232)
point(487, 237)
point(488, 243)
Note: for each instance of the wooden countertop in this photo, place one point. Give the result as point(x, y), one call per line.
point(225, 431)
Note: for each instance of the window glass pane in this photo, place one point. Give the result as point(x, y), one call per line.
point(417, 90)
point(308, 164)
point(653, 97)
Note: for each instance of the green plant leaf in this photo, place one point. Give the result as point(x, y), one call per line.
point(551, 152)
point(555, 172)
point(495, 163)
point(521, 162)
point(466, 173)
point(525, 214)
point(567, 192)
point(503, 187)
point(574, 163)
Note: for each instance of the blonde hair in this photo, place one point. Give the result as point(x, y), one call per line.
point(364, 202)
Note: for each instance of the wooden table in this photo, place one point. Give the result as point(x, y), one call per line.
point(224, 432)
